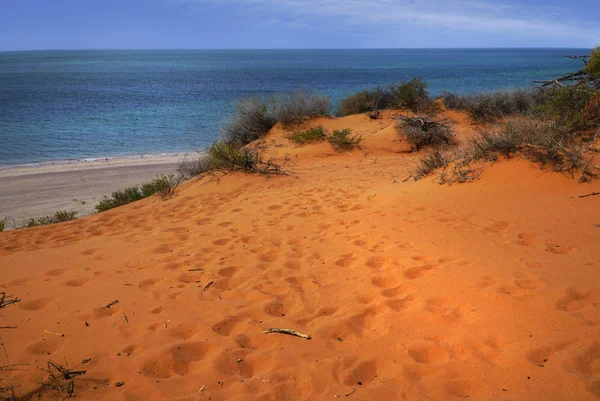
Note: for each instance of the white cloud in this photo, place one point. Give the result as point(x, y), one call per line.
point(463, 16)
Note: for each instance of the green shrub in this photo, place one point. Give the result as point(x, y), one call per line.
point(189, 167)
point(254, 117)
point(593, 66)
point(490, 106)
point(344, 140)
point(2, 224)
point(120, 198)
point(294, 108)
point(545, 142)
point(58, 217)
point(566, 105)
point(313, 134)
point(366, 101)
point(411, 95)
point(163, 185)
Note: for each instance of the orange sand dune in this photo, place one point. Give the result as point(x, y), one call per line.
point(409, 290)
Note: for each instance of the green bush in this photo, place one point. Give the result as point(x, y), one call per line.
point(254, 117)
point(120, 198)
point(58, 217)
point(411, 95)
point(192, 167)
point(2, 224)
point(490, 106)
point(593, 66)
point(344, 140)
point(366, 101)
point(294, 108)
point(163, 185)
point(313, 134)
point(566, 105)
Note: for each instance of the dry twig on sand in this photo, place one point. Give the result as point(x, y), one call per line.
point(107, 306)
point(287, 331)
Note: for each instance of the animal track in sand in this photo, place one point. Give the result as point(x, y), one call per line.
point(497, 227)
point(35, 304)
point(578, 298)
point(175, 360)
point(44, 347)
point(558, 249)
point(77, 282)
point(401, 304)
point(224, 327)
point(526, 239)
point(444, 307)
point(56, 272)
point(417, 272)
point(384, 281)
point(429, 353)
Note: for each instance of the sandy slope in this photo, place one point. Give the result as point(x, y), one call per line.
point(410, 290)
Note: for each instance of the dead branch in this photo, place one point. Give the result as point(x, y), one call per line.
point(107, 306)
point(6, 300)
point(586, 195)
point(287, 331)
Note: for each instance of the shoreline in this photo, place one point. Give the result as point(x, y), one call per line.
point(91, 163)
point(36, 190)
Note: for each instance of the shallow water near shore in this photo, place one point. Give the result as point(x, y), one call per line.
point(65, 105)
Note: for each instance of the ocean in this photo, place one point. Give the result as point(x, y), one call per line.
point(66, 105)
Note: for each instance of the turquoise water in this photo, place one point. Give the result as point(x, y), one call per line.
point(58, 105)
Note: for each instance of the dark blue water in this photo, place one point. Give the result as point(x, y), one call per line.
point(57, 105)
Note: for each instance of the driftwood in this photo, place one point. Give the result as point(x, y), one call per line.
point(288, 332)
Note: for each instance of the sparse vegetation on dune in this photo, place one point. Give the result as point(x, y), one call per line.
point(254, 117)
point(60, 216)
point(423, 131)
point(486, 107)
point(410, 95)
point(544, 142)
point(309, 135)
point(163, 185)
point(344, 140)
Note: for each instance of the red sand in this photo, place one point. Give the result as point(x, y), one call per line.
point(410, 290)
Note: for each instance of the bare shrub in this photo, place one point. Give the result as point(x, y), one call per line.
point(432, 161)
point(294, 108)
point(490, 106)
point(422, 131)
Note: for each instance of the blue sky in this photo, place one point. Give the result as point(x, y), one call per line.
point(226, 24)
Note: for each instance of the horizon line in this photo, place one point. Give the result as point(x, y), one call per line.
point(298, 48)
